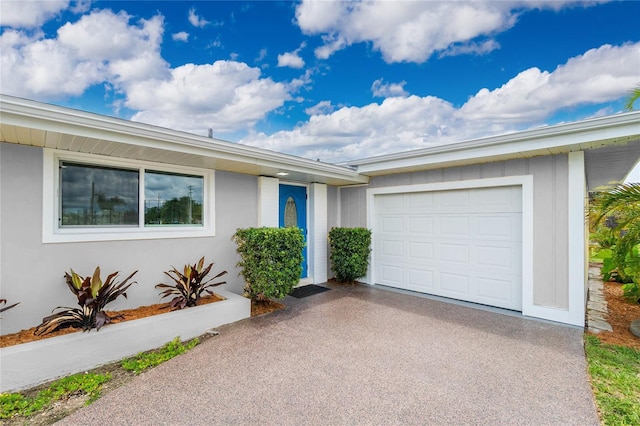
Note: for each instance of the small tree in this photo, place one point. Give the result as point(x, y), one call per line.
point(271, 260)
point(350, 248)
point(620, 205)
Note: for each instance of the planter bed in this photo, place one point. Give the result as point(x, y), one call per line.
point(29, 364)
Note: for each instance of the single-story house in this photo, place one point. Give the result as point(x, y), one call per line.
point(498, 221)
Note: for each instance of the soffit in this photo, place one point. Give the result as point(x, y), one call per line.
point(35, 124)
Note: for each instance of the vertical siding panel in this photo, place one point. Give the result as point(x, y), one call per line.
point(516, 167)
point(544, 250)
point(418, 178)
point(353, 201)
point(471, 172)
point(561, 217)
point(492, 170)
point(452, 174)
point(434, 176)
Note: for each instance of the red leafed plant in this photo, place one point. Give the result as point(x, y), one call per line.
point(189, 284)
point(93, 295)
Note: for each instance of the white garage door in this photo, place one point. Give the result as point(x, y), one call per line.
point(463, 244)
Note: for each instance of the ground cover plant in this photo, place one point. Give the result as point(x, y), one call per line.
point(615, 380)
point(93, 296)
point(146, 360)
point(19, 405)
point(189, 284)
point(47, 404)
point(350, 249)
point(271, 260)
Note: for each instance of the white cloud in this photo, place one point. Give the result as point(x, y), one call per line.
point(597, 76)
point(195, 20)
point(292, 59)
point(224, 96)
point(401, 123)
point(181, 36)
point(412, 31)
point(100, 47)
point(322, 107)
point(380, 89)
point(29, 13)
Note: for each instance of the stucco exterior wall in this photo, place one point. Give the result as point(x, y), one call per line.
point(32, 272)
point(550, 210)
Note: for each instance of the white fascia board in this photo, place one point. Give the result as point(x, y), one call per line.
point(36, 115)
point(577, 136)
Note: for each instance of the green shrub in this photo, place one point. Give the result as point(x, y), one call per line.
point(271, 260)
point(350, 248)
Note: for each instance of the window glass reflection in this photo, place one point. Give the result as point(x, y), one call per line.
point(172, 199)
point(98, 196)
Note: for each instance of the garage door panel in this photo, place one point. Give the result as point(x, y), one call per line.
point(454, 285)
point(454, 253)
point(420, 251)
point(503, 256)
point(498, 226)
point(420, 225)
point(421, 201)
point(454, 225)
point(392, 275)
point(458, 199)
point(391, 248)
point(464, 244)
point(420, 279)
point(391, 224)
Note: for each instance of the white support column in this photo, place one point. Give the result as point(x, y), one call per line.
point(268, 199)
point(577, 186)
point(317, 240)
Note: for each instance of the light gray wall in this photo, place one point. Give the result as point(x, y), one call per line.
point(32, 272)
point(353, 207)
point(332, 220)
point(550, 242)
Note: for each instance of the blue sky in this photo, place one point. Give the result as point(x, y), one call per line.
point(326, 80)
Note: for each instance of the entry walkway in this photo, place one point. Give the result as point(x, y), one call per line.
point(361, 355)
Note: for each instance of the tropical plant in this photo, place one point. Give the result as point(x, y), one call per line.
point(6, 308)
point(93, 296)
point(350, 248)
point(189, 284)
point(634, 95)
point(622, 202)
point(271, 260)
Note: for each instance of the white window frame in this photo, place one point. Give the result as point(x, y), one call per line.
point(52, 232)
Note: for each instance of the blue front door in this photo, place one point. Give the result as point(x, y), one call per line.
point(293, 212)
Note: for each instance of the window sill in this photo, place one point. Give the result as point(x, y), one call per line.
point(87, 235)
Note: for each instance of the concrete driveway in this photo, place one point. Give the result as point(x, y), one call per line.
point(360, 355)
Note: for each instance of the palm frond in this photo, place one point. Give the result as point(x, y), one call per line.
point(634, 95)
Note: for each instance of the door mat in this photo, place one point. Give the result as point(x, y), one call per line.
point(307, 290)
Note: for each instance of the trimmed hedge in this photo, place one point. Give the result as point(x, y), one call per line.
point(271, 260)
point(350, 248)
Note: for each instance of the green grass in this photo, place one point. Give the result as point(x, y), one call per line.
point(19, 405)
point(145, 360)
point(16, 404)
point(615, 379)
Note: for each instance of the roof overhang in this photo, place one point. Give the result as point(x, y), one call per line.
point(27, 122)
point(619, 133)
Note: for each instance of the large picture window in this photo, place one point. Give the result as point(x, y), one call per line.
point(95, 199)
